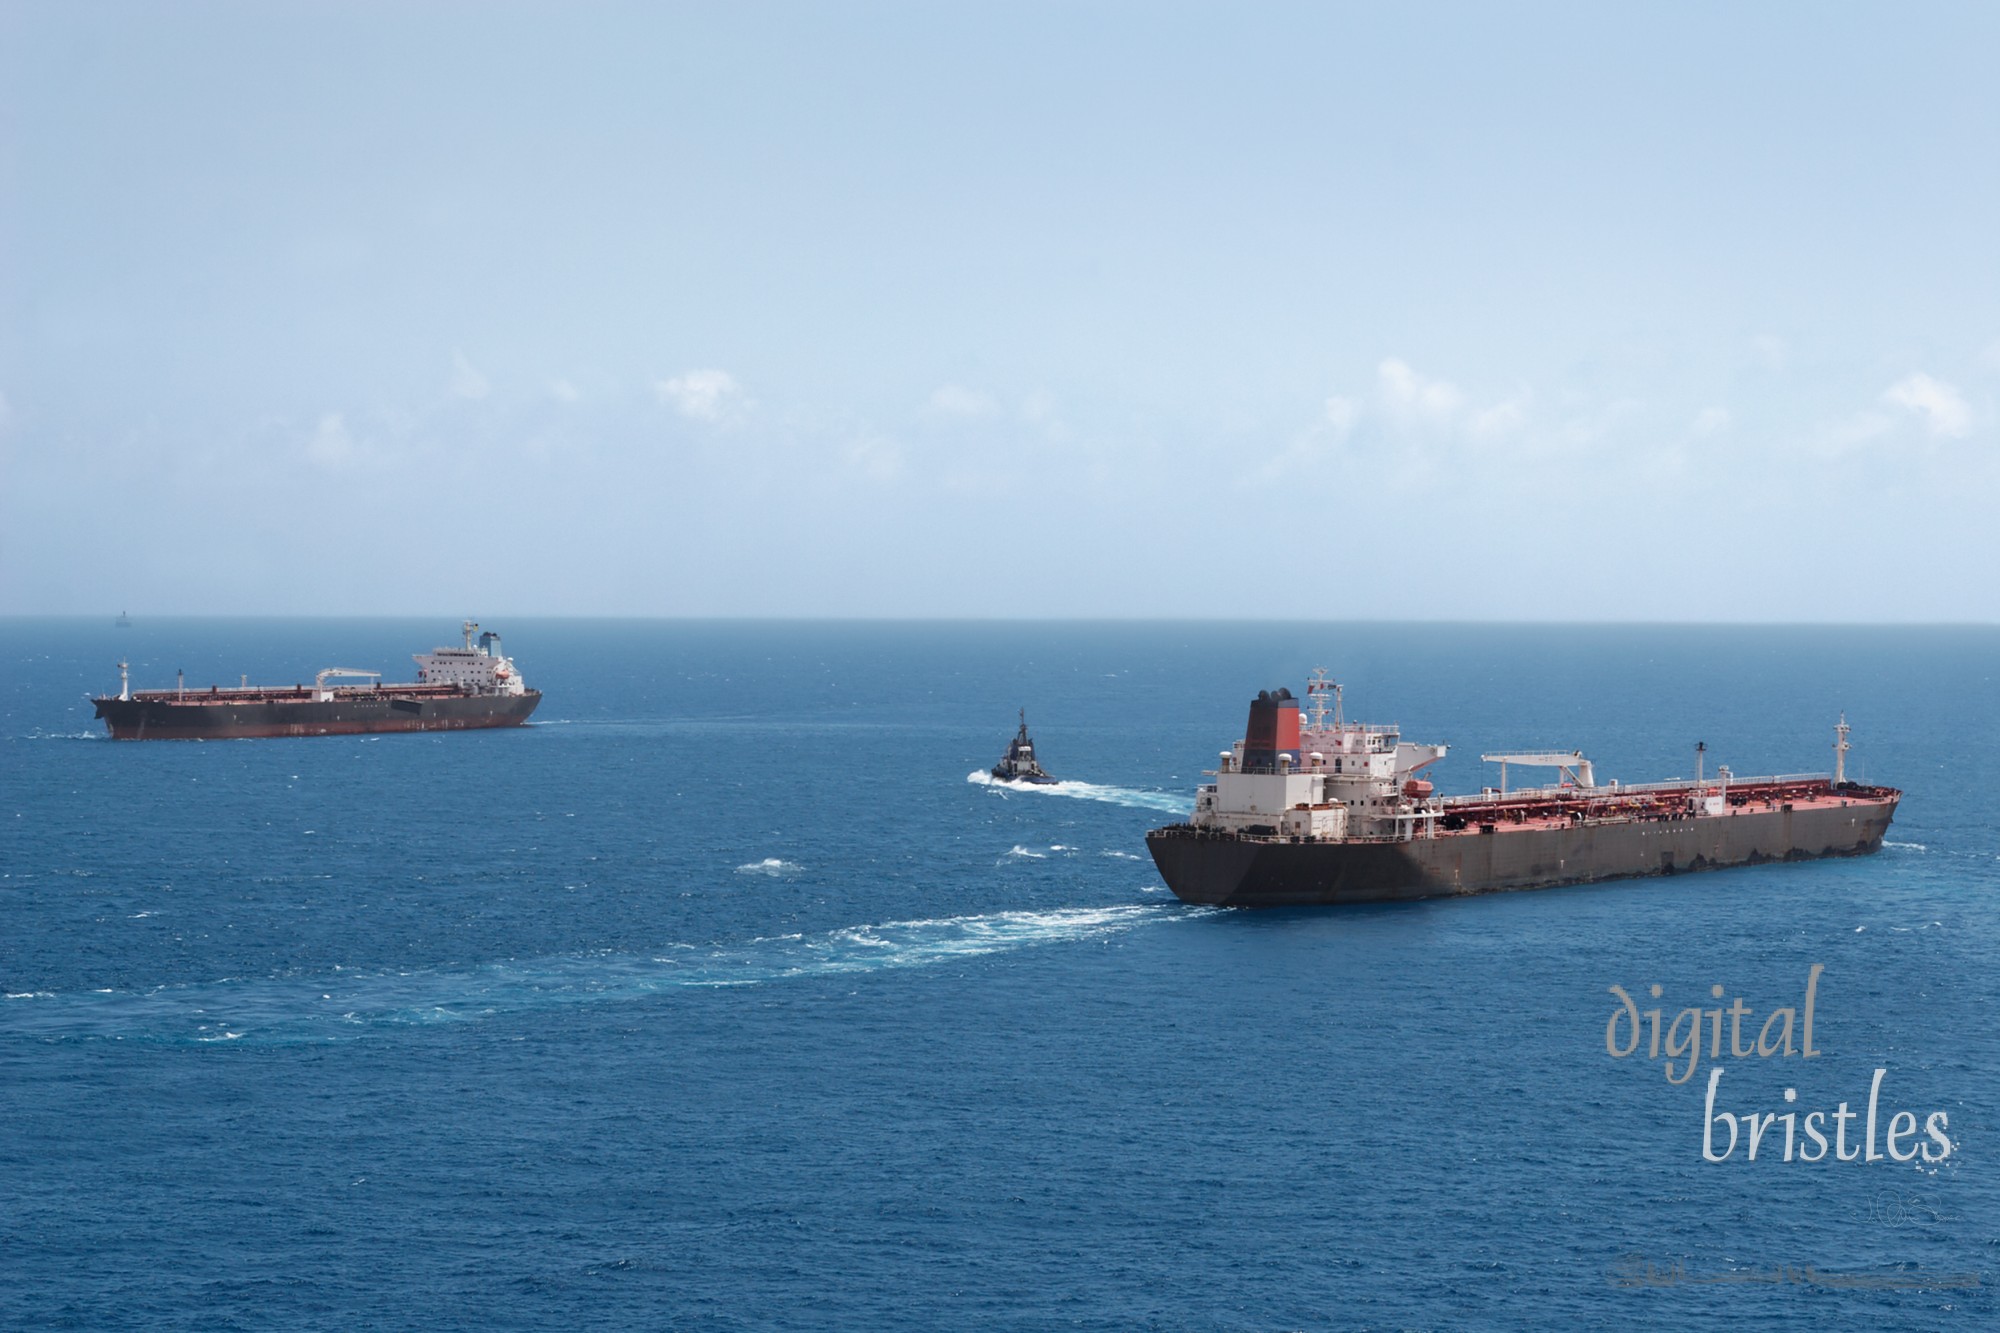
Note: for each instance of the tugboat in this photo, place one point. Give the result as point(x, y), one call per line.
point(1018, 764)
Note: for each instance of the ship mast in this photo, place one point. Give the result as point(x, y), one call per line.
point(1316, 690)
point(1840, 748)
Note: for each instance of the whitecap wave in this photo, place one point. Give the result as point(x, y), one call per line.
point(344, 1004)
point(1019, 853)
point(1135, 798)
point(770, 865)
point(1906, 846)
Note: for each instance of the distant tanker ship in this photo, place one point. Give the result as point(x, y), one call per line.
point(1334, 812)
point(456, 689)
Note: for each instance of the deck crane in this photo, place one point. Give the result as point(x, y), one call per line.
point(319, 681)
point(1573, 767)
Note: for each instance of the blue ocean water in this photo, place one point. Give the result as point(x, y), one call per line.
point(723, 997)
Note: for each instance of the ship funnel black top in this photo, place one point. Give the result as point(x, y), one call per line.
point(1273, 730)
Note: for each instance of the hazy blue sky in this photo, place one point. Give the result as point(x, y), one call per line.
point(1551, 311)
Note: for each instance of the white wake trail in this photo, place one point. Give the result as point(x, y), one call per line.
point(346, 1004)
point(1135, 798)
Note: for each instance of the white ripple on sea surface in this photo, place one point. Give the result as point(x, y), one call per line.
point(348, 1004)
point(770, 865)
point(1135, 798)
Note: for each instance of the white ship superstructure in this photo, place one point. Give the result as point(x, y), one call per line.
point(481, 670)
point(1323, 778)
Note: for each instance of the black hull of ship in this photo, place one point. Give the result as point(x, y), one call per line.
point(1229, 870)
point(173, 720)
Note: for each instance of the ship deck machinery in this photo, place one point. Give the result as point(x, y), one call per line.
point(1334, 812)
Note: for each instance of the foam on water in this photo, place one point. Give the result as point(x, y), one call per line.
point(1135, 798)
point(348, 1004)
point(770, 865)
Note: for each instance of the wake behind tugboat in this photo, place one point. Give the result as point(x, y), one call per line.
point(1334, 812)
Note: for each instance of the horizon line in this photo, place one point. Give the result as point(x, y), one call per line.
point(779, 618)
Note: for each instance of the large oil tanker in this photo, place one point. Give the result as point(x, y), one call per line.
point(456, 689)
point(1328, 811)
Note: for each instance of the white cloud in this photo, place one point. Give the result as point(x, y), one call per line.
point(331, 446)
point(564, 391)
point(1414, 402)
point(1412, 399)
point(1312, 446)
point(1503, 418)
point(703, 395)
point(1341, 414)
point(466, 381)
point(1943, 411)
point(1711, 421)
point(878, 456)
point(953, 400)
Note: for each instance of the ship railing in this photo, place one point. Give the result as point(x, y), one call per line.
point(1558, 793)
point(1364, 728)
point(1714, 780)
point(1185, 830)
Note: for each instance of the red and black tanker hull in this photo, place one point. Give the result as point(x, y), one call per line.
point(1234, 870)
point(213, 718)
